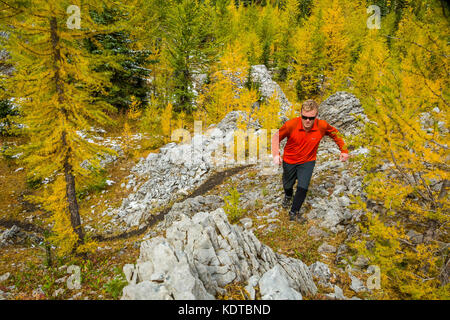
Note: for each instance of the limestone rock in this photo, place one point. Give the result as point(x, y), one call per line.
point(317, 232)
point(200, 255)
point(356, 285)
point(268, 87)
point(275, 286)
point(250, 287)
point(326, 248)
point(322, 272)
point(340, 109)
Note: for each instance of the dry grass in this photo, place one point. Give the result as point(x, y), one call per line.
point(27, 265)
point(28, 271)
point(12, 183)
point(234, 291)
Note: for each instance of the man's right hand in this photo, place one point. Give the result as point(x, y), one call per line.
point(277, 160)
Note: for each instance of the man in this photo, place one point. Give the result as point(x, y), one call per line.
point(304, 134)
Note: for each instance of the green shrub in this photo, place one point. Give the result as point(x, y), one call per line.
point(116, 285)
point(232, 205)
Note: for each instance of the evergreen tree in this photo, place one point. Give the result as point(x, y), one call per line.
point(128, 72)
point(288, 28)
point(188, 49)
point(53, 85)
point(407, 133)
point(310, 57)
point(336, 47)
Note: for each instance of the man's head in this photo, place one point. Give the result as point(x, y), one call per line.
point(309, 112)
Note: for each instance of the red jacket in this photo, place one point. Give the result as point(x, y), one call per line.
point(302, 146)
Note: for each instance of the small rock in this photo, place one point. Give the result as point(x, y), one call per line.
point(271, 228)
point(361, 262)
point(326, 248)
point(246, 222)
point(338, 294)
point(317, 233)
point(58, 292)
point(415, 237)
point(4, 277)
point(38, 292)
point(275, 286)
point(273, 214)
point(357, 285)
point(75, 296)
point(321, 271)
point(61, 280)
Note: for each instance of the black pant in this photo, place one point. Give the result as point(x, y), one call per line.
point(302, 173)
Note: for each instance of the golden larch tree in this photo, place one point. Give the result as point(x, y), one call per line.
point(53, 84)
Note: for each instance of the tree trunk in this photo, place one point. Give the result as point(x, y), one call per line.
point(68, 173)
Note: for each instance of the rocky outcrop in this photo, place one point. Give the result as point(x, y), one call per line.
point(267, 87)
point(189, 207)
point(173, 172)
point(179, 168)
point(321, 271)
point(16, 235)
point(199, 256)
point(198, 252)
point(341, 110)
point(201, 245)
point(274, 285)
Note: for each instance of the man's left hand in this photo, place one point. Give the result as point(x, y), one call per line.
point(344, 157)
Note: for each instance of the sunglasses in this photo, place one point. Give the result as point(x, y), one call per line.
point(308, 118)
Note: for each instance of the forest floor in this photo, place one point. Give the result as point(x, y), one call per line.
point(34, 274)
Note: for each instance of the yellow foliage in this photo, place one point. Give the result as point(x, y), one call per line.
point(53, 199)
point(268, 113)
point(234, 61)
point(253, 47)
point(133, 112)
point(224, 94)
point(166, 120)
point(181, 121)
point(151, 119)
point(324, 46)
point(399, 91)
point(54, 83)
point(89, 246)
point(127, 141)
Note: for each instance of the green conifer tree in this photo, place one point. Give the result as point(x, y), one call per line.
point(188, 48)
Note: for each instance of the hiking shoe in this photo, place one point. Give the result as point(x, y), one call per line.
point(287, 202)
point(292, 215)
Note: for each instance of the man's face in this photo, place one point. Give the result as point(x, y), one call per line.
point(307, 123)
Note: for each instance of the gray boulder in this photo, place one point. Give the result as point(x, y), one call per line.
point(274, 285)
point(200, 255)
point(340, 110)
point(321, 271)
point(268, 87)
